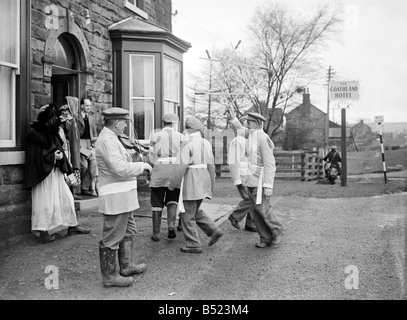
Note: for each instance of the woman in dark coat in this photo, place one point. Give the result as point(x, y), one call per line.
point(46, 163)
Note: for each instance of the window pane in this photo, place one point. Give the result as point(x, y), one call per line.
point(63, 54)
point(9, 32)
point(171, 107)
point(143, 116)
point(6, 103)
point(171, 79)
point(142, 76)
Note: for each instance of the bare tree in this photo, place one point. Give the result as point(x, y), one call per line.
point(285, 46)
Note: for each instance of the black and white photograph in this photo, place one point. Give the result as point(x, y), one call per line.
point(203, 157)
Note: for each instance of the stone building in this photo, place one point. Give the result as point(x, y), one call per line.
point(116, 52)
point(305, 126)
point(362, 134)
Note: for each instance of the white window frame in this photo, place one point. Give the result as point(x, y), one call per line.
point(133, 98)
point(135, 9)
point(177, 103)
point(15, 71)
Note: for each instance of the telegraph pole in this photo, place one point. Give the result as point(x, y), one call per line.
point(330, 75)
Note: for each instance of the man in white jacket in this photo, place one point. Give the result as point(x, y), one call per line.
point(117, 200)
point(197, 184)
point(258, 178)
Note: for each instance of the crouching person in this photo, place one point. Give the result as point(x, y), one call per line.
point(117, 201)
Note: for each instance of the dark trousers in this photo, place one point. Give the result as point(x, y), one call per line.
point(267, 223)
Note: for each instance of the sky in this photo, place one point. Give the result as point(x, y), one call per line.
point(372, 49)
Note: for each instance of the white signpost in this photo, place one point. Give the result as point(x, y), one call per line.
point(343, 90)
point(379, 120)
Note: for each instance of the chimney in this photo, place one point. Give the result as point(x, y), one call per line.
point(306, 96)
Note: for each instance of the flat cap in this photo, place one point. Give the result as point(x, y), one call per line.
point(255, 116)
point(170, 118)
point(334, 147)
point(193, 123)
point(116, 113)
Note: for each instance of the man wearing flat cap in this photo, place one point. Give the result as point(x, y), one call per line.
point(197, 184)
point(258, 178)
point(238, 162)
point(117, 201)
point(165, 177)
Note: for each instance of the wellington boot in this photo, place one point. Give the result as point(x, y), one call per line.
point(171, 217)
point(110, 275)
point(128, 269)
point(156, 225)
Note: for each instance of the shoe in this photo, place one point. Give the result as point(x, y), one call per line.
point(45, 237)
point(77, 230)
point(171, 234)
point(215, 237)
point(155, 238)
point(234, 222)
point(263, 244)
point(191, 250)
point(250, 228)
point(277, 239)
point(89, 193)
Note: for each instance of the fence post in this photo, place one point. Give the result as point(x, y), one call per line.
point(303, 166)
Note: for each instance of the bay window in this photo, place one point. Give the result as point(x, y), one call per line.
point(142, 94)
point(9, 69)
point(172, 86)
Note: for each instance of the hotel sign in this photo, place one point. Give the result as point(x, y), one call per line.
point(343, 91)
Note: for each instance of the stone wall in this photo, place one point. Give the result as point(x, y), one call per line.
point(15, 203)
point(99, 80)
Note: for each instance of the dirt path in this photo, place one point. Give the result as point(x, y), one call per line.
point(323, 237)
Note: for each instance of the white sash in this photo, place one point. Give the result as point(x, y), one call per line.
point(259, 195)
point(166, 160)
point(117, 187)
point(180, 200)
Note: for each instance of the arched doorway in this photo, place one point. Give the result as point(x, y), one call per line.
point(66, 68)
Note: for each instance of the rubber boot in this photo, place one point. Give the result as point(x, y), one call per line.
point(156, 225)
point(108, 267)
point(171, 217)
point(127, 269)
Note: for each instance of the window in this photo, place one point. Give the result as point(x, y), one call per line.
point(142, 95)
point(9, 69)
point(137, 6)
point(172, 85)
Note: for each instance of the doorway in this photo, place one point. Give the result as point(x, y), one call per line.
point(65, 70)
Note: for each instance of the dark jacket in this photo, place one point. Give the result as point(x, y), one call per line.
point(40, 157)
point(333, 157)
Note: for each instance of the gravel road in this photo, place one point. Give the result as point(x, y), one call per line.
point(333, 248)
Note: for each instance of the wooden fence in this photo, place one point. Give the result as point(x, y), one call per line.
point(291, 165)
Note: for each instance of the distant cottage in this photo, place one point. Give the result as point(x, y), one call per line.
point(305, 126)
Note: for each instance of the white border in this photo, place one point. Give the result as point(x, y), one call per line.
point(136, 10)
